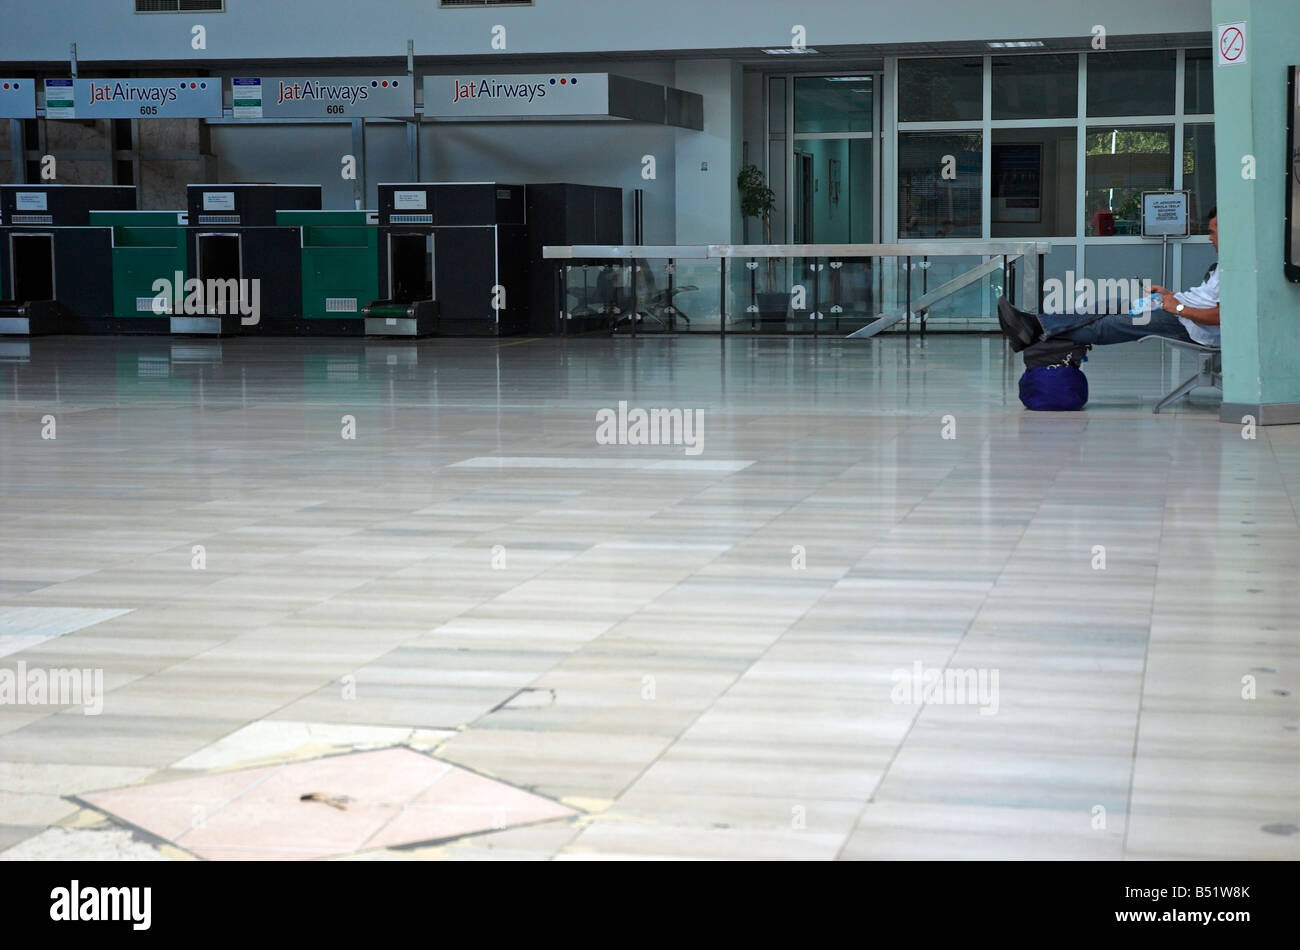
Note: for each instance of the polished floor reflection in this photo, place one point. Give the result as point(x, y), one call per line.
point(882, 612)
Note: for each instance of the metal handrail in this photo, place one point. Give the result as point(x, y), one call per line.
point(705, 251)
point(625, 252)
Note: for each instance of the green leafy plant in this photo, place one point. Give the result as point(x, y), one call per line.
point(757, 201)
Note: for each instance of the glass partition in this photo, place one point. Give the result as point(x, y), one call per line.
point(834, 295)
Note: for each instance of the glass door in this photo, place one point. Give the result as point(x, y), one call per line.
point(835, 163)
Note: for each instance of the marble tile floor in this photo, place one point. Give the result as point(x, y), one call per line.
point(715, 655)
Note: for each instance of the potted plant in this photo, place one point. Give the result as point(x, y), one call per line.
point(757, 201)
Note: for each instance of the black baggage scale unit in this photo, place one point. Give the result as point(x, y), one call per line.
point(56, 271)
point(233, 236)
point(444, 249)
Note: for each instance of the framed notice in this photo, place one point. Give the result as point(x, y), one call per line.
point(1164, 214)
point(1291, 254)
point(30, 201)
point(1017, 183)
point(409, 201)
point(218, 201)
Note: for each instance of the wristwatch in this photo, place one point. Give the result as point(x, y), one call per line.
point(1179, 308)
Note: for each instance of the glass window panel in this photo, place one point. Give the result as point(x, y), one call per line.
point(1033, 182)
point(930, 205)
point(1138, 83)
point(1121, 164)
point(832, 104)
point(833, 181)
point(776, 105)
point(1198, 82)
point(1035, 87)
point(1198, 174)
point(940, 90)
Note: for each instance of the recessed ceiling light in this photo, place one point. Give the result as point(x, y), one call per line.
point(1015, 44)
point(848, 79)
point(789, 51)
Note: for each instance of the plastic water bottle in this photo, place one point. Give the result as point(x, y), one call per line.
point(1143, 304)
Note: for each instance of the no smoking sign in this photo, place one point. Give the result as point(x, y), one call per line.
point(1232, 43)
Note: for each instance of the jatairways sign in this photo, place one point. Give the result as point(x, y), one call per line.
point(487, 89)
point(190, 98)
point(541, 94)
point(329, 97)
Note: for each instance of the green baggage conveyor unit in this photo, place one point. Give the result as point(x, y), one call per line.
point(147, 246)
point(340, 265)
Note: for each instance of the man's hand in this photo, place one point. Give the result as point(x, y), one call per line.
point(1168, 302)
point(1157, 289)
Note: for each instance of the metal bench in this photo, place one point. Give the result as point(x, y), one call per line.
point(1208, 370)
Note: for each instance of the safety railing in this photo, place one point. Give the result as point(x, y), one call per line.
point(840, 290)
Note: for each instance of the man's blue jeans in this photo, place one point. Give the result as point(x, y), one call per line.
point(1112, 328)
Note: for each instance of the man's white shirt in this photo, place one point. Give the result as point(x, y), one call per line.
point(1203, 296)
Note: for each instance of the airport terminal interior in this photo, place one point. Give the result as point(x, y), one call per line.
point(454, 434)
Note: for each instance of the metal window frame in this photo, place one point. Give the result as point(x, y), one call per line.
point(1179, 119)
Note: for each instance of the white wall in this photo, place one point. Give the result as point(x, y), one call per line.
point(285, 29)
point(708, 202)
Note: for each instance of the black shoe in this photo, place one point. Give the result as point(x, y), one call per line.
point(1020, 327)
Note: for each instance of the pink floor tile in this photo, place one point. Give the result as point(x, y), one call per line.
point(392, 796)
point(169, 809)
point(464, 803)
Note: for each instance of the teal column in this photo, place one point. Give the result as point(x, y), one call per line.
point(1259, 309)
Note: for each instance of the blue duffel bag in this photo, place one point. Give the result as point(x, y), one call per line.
point(1053, 381)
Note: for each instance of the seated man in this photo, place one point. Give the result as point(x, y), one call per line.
point(1191, 316)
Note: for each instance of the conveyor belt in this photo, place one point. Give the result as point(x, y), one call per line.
point(401, 317)
point(29, 317)
point(381, 309)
